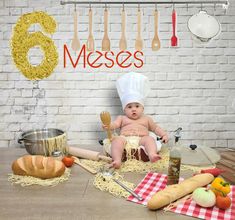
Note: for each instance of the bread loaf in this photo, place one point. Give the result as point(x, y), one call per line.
point(38, 166)
point(174, 192)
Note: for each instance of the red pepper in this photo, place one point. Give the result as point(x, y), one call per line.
point(215, 171)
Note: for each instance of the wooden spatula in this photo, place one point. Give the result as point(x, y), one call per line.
point(138, 41)
point(106, 120)
point(123, 42)
point(156, 44)
point(106, 41)
point(174, 39)
point(75, 42)
point(90, 41)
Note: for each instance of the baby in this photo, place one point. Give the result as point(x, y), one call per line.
point(133, 89)
point(135, 123)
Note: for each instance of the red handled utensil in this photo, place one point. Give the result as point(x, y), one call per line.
point(174, 39)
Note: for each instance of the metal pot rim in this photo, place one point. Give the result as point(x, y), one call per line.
point(23, 138)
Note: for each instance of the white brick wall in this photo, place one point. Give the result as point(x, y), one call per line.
point(193, 86)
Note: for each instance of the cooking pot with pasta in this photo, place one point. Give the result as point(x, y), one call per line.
point(44, 141)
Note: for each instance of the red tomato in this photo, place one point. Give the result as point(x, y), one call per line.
point(68, 161)
point(223, 202)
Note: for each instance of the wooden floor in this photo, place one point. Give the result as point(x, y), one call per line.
point(227, 163)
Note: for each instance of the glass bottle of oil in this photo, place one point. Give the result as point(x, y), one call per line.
point(174, 161)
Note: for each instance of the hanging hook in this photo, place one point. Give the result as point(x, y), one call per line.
point(155, 7)
point(123, 9)
point(75, 7)
point(105, 7)
point(173, 6)
point(90, 5)
point(225, 7)
point(201, 6)
point(187, 7)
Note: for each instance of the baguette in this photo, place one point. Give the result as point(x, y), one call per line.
point(38, 166)
point(176, 191)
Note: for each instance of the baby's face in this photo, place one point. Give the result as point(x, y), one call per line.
point(134, 110)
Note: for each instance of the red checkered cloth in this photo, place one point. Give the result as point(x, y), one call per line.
point(154, 182)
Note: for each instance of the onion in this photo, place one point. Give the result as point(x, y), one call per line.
point(204, 197)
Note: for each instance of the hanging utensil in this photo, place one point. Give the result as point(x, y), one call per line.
point(90, 41)
point(203, 27)
point(75, 42)
point(174, 39)
point(138, 41)
point(123, 42)
point(106, 41)
point(106, 120)
point(156, 44)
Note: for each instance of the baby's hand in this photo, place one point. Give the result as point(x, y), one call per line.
point(165, 138)
point(105, 127)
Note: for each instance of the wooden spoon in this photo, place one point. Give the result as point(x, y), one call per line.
point(106, 41)
point(156, 44)
point(90, 41)
point(75, 42)
point(106, 120)
point(123, 42)
point(139, 41)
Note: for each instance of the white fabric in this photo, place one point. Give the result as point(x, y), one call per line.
point(132, 87)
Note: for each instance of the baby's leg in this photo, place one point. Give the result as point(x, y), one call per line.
point(117, 148)
point(151, 148)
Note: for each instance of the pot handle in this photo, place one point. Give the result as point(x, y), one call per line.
point(20, 140)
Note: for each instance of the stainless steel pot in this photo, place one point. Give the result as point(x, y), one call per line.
point(35, 140)
point(203, 27)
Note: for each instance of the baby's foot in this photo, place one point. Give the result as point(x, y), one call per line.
point(115, 164)
point(155, 157)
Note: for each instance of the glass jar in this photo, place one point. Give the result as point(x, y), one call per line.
point(174, 166)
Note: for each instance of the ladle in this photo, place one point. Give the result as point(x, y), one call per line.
point(138, 41)
point(75, 42)
point(90, 40)
point(108, 173)
point(123, 42)
point(106, 41)
point(156, 44)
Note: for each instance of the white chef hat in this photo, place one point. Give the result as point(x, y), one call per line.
point(132, 87)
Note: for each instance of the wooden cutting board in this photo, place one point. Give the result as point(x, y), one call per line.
point(201, 156)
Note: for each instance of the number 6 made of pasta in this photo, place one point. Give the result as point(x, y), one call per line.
point(22, 41)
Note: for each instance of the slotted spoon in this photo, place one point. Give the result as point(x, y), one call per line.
point(106, 120)
point(109, 173)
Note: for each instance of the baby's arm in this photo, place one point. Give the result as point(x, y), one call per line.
point(157, 130)
point(115, 124)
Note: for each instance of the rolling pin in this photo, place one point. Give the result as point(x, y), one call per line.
point(88, 154)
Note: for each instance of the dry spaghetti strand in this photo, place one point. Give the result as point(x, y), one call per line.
point(30, 180)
